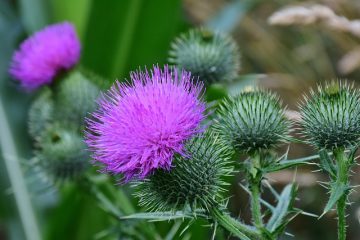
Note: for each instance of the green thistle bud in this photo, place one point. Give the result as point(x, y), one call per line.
point(331, 116)
point(252, 121)
point(63, 154)
point(211, 56)
point(41, 113)
point(191, 182)
point(75, 97)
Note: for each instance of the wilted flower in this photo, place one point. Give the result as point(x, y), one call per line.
point(140, 126)
point(44, 54)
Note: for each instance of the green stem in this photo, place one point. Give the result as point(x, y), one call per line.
point(237, 228)
point(341, 206)
point(255, 190)
point(342, 177)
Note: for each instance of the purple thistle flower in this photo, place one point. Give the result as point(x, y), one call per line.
point(44, 54)
point(139, 127)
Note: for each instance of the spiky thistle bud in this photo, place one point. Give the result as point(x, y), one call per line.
point(75, 96)
point(193, 181)
point(331, 116)
point(63, 154)
point(211, 56)
point(252, 121)
point(41, 113)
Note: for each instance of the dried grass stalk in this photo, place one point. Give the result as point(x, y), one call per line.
point(306, 15)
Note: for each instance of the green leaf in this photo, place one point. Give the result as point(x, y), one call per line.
point(337, 190)
point(13, 141)
point(132, 36)
point(352, 152)
point(326, 163)
point(284, 164)
point(163, 216)
point(282, 209)
point(34, 14)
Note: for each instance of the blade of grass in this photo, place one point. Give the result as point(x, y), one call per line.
point(17, 180)
point(34, 14)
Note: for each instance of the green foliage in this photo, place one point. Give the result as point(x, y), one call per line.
point(331, 116)
point(337, 190)
point(284, 211)
point(211, 56)
point(63, 153)
point(327, 164)
point(252, 121)
point(41, 113)
point(132, 36)
point(193, 181)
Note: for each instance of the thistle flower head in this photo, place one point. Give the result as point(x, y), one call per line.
point(44, 54)
point(194, 181)
point(140, 126)
point(331, 116)
point(252, 121)
point(211, 56)
point(63, 154)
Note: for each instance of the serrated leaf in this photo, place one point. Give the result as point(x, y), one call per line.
point(326, 164)
point(283, 207)
point(352, 152)
point(284, 164)
point(161, 216)
point(336, 192)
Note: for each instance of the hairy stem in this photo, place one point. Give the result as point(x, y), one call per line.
point(342, 177)
point(341, 206)
point(255, 190)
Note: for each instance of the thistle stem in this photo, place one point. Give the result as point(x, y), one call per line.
point(341, 206)
point(255, 206)
point(255, 177)
point(342, 177)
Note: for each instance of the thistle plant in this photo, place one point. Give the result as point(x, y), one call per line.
point(156, 133)
point(331, 122)
point(254, 123)
point(211, 56)
point(45, 62)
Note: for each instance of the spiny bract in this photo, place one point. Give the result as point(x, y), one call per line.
point(193, 181)
point(252, 121)
point(211, 56)
point(331, 116)
point(41, 113)
point(63, 153)
point(75, 97)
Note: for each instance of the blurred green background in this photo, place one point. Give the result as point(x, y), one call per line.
point(122, 35)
